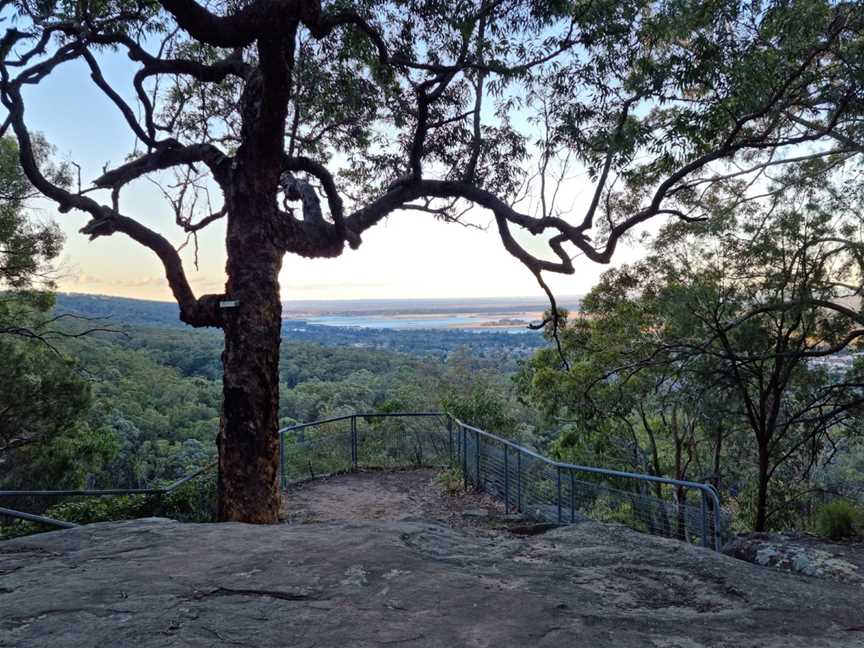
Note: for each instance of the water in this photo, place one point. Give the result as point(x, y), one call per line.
point(397, 323)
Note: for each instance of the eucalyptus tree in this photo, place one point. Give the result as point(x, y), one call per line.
point(318, 119)
point(782, 290)
point(706, 353)
point(28, 246)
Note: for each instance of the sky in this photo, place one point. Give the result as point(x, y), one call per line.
point(409, 255)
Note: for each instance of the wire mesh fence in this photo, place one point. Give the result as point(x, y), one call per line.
point(525, 481)
point(344, 443)
point(149, 501)
point(565, 493)
point(312, 450)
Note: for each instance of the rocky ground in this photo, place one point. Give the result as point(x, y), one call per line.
point(442, 582)
point(398, 495)
point(802, 554)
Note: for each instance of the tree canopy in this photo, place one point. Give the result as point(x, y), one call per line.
point(701, 360)
point(383, 106)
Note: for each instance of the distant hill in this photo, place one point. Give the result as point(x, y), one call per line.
point(440, 342)
point(121, 310)
point(144, 312)
point(299, 307)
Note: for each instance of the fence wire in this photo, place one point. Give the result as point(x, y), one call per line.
point(344, 443)
point(525, 481)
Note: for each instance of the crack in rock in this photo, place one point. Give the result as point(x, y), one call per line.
point(272, 594)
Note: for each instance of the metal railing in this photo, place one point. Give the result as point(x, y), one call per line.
point(524, 480)
point(344, 443)
point(63, 524)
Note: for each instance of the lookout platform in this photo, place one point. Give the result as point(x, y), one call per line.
point(154, 583)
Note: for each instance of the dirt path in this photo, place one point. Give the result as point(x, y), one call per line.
point(391, 496)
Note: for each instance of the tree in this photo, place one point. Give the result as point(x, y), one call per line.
point(44, 439)
point(43, 436)
point(27, 247)
point(379, 107)
point(707, 348)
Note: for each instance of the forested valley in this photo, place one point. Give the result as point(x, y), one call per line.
point(135, 404)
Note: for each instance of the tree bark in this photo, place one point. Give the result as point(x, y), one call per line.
point(718, 448)
point(248, 437)
point(680, 494)
point(762, 493)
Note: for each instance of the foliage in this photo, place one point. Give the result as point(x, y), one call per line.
point(451, 480)
point(839, 520)
point(27, 247)
point(843, 473)
point(42, 397)
point(44, 439)
point(102, 509)
point(474, 395)
point(481, 408)
point(194, 501)
point(702, 361)
point(153, 396)
point(85, 511)
point(607, 509)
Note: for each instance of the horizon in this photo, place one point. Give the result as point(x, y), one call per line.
point(508, 298)
point(479, 313)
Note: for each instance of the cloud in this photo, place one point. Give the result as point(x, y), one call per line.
point(82, 279)
point(309, 287)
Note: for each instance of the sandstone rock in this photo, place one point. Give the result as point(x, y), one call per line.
point(149, 583)
point(476, 513)
point(803, 554)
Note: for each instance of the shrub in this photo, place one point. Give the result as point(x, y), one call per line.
point(609, 509)
point(101, 509)
point(194, 501)
point(83, 511)
point(20, 528)
point(451, 480)
point(839, 519)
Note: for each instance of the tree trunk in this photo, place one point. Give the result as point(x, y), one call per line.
point(762, 493)
point(718, 448)
point(248, 438)
point(680, 495)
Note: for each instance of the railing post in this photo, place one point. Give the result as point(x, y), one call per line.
point(477, 459)
point(519, 480)
point(717, 538)
point(464, 433)
point(558, 475)
point(506, 480)
point(572, 496)
point(354, 442)
point(703, 515)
